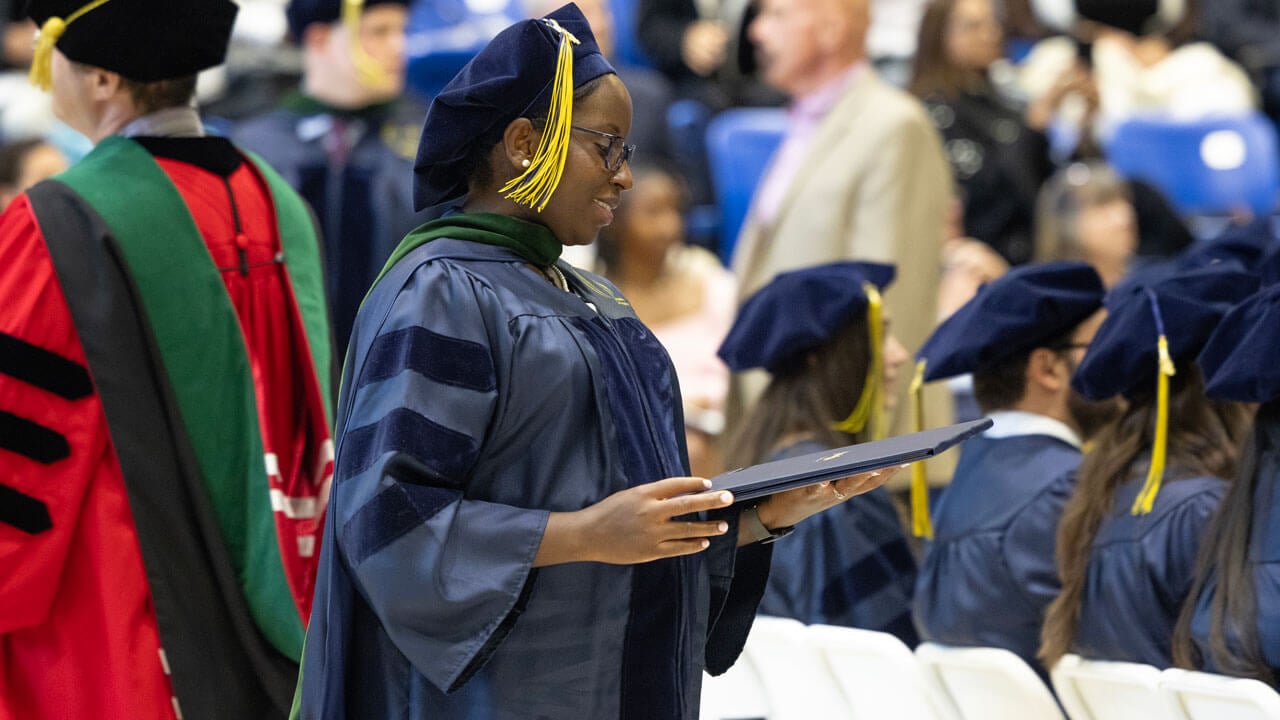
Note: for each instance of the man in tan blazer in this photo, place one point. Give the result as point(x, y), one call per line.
point(860, 175)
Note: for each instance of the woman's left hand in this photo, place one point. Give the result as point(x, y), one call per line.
point(790, 507)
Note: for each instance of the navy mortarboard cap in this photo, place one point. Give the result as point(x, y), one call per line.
point(1026, 308)
point(529, 70)
point(1184, 308)
point(799, 311)
point(1240, 247)
point(1239, 359)
point(301, 13)
point(143, 40)
point(1150, 331)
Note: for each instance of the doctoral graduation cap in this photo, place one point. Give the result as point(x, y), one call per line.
point(301, 13)
point(1151, 331)
point(1239, 359)
point(143, 40)
point(1029, 307)
point(801, 310)
point(1243, 247)
point(530, 69)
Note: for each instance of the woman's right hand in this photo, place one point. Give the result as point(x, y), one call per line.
point(635, 525)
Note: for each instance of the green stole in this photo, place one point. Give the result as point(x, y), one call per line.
point(203, 351)
point(531, 241)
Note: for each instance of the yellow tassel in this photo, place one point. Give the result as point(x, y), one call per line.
point(921, 521)
point(536, 184)
point(369, 72)
point(1159, 447)
point(870, 407)
point(41, 73)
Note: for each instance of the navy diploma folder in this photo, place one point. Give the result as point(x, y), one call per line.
point(773, 477)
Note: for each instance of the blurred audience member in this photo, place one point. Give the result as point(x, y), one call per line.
point(999, 154)
point(1129, 535)
point(860, 173)
point(346, 142)
point(17, 36)
point(682, 293)
point(823, 335)
point(25, 163)
point(1088, 212)
point(1142, 63)
point(700, 46)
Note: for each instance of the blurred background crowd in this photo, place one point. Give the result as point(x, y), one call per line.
point(982, 134)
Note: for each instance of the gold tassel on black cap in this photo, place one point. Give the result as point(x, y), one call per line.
point(535, 186)
point(41, 74)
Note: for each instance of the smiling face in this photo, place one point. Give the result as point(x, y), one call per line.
point(588, 192)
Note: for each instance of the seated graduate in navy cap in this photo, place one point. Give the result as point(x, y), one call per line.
point(1231, 621)
point(346, 139)
point(1129, 535)
point(510, 452)
point(822, 334)
point(988, 572)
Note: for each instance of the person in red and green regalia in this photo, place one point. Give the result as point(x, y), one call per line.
point(165, 451)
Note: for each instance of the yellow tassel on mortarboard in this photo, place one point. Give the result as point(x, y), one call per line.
point(368, 71)
point(921, 521)
point(536, 184)
point(41, 74)
point(870, 407)
point(1159, 446)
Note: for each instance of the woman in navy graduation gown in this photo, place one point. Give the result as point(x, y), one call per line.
point(1231, 623)
point(821, 335)
point(1129, 534)
point(500, 541)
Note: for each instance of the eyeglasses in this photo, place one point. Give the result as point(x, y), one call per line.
point(616, 153)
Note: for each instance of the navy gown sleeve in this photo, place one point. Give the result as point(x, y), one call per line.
point(443, 573)
point(1029, 544)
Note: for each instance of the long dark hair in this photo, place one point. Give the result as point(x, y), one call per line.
point(807, 397)
point(1204, 440)
point(932, 72)
point(1224, 557)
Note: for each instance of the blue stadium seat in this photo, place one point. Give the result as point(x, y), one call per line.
point(626, 40)
point(443, 35)
point(740, 143)
point(1205, 167)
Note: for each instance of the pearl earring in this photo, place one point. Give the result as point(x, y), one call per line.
point(524, 163)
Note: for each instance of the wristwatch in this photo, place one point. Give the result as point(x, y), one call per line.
point(750, 519)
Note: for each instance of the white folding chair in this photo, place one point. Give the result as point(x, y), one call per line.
point(989, 683)
point(878, 675)
point(1204, 696)
point(735, 695)
point(794, 678)
point(1105, 690)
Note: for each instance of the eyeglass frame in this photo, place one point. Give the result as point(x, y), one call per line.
point(624, 155)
